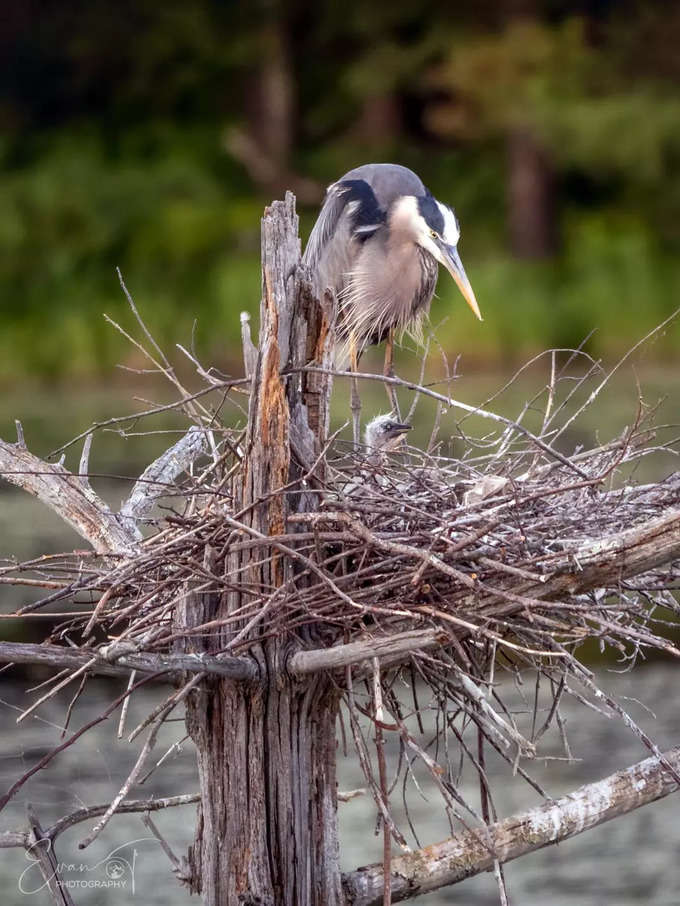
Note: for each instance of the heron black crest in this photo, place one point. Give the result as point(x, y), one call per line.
point(431, 212)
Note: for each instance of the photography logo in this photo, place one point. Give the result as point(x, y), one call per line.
point(116, 871)
point(115, 868)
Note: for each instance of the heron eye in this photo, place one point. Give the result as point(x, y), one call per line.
point(433, 233)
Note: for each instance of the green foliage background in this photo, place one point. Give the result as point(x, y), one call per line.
point(114, 125)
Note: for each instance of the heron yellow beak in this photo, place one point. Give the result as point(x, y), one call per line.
point(453, 264)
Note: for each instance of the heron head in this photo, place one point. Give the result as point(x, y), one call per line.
point(384, 433)
point(434, 226)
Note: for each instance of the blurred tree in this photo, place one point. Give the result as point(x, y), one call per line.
point(559, 101)
point(499, 84)
point(270, 102)
point(265, 144)
point(532, 215)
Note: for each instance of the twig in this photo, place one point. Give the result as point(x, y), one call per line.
point(165, 846)
point(129, 783)
point(128, 805)
point(382, 773)
point(448, 401)
point(42, 852)
point(160, 475)
point(126, 705)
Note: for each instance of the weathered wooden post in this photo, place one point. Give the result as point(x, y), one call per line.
point(266, 751)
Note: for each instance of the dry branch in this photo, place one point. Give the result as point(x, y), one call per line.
point(388, 649)
point(107, 663)
point(609, 559)
point(158, 479)
point(127, 805)
point(42, 852)
point(468, 854)
point(69, 496)
point(11, 839)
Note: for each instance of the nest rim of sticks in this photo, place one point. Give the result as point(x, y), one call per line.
point(466, 532)
point(449, 511)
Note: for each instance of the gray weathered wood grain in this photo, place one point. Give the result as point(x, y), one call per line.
point(472, 852)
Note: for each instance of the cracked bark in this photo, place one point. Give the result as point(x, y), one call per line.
point(266, 751)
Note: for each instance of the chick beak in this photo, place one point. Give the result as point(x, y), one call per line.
point(453, 264)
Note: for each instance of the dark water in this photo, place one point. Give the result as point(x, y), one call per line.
point(627, 862)
point(630, 861)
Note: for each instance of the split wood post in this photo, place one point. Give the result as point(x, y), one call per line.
point(267, 830)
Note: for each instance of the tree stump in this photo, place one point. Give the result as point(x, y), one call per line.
point(267, 830)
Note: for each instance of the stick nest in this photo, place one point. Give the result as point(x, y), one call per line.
point(503, 546)
point(515, 557)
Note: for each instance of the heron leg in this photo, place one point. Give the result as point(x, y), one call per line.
point(388, 371)
point(355, 401)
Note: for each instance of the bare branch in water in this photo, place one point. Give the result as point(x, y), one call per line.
point(468, 854)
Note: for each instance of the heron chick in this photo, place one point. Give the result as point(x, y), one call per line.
point(383, 435)
point(378, 242)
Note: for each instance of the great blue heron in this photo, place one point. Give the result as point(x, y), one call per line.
point(377, 243)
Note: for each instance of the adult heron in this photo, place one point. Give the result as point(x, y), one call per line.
point(378, 242)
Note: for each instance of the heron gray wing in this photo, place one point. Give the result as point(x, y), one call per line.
point(348, 216)
point(334, 211)
point(354, 209)
point(326, 223)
